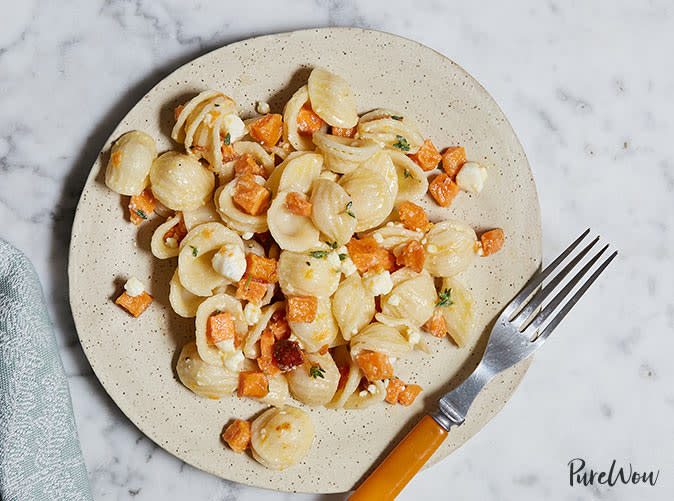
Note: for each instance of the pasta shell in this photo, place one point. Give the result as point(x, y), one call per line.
point(278, 394)
point(412, 300)
point(131, 158)
point(358, 401)
point(344, 154)
point(160, 249)
point(379, 127)
point(411, 180)
point(382, 164)
point(343, 359)
point(449, 248)
point(235, 217)
point(460, 315)
point(180, 182)
point(290, 231)
point(314, 390)
point(200, 215)
point(196, 253)
point(372, 200)
point(183, 302)
point(352, 306)
point(381, 338)
point(299, 273)
point(314, 335)
point(332, 98)
point(178, 134)
point(206, 380)
point(390, 237)
point(329, 211)
point(218, 303)
point(290, 111)
point(280, 437)
point(296, 173)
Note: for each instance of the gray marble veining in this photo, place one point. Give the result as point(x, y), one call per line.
point(587, 87)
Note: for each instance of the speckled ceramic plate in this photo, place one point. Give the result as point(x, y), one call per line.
point(135, 358)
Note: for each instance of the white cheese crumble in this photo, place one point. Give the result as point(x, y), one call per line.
point(134, 287)
point(378, 283)
point(372, 389)
point(480, 251)
point(233, 362)
point(171, 243)
point(293, 337)
point(378, 238)
point(247, 236)
point(252, 313)
point(234, 127)
point(363, 394)
point(413, 336)
point(262, 107)
point(432, 249)
point(230, 262)
point(226, 346)
point(347, 266)
point(471, 177)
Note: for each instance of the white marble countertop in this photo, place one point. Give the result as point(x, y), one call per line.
point(588, 89)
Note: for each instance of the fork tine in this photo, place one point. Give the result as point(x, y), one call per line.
point(521, 318)
point(571, 302)
point(538, 279)
point(547, 311)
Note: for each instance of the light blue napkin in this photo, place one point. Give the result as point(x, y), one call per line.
point(40, 456)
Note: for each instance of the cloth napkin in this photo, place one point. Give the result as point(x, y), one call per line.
point(40, 456)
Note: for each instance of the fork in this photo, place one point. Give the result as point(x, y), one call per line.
point(520, 330)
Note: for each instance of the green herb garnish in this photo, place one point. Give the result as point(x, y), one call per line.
point(317, 371)
point(401, 144)
point(195, 251)
point(445, 299)
point(141, 214)
point(228, 139)
point(396, 117)
point(348, 209)
point(332, 245)
point(318, 254)
point(248, 282)
point(406, 174)
point(342, 257)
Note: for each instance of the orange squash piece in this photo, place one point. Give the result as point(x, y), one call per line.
point(266, 361)
point(251, 289)
point(251, 197)
point(375, 365)
point(453, 159)
point(246, 164)
point(324, 349)
point(308, 122)
point(298, 204)
point(253, 384)
point(268, 129)
point(443, 190)
point(412, 256)
point(141, 206)
point(409, 394)
point(367, 255)
point(436, 324)
point(427, 156)
point(301, 308)
point(413, 217)
point(492, 241)
point(220, 327)
point(177, 231)
point(134, 304)
point(393, 389)
point(228, 153)
point(341, 132)
point(261, 268)
point(237, 436)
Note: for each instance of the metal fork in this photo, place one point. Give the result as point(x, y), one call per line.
point(521, 329)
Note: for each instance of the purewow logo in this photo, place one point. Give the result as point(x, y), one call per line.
point(578, 475)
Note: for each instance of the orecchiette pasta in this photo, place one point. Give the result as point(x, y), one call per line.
point(180, 182)
point(251, 347)
point(380, 338)
point(344, 154)
point(332, 98)
point(360, 400)
point(183, 302)
point(352, 306)
point(296, 173)
point(321, 332)
point(397, 133)
point(460, 314)
point(394, 234)
point(301, 273)
point(220, 303)
point(160, 247)
point(411, 181)
point(204, 214)
point(371, 197)
point(206, 380)
point(281, 437)
point(450, 248)
point(329, 211)
point(226, 171)
point(292, 108)
point(130, 161)
point(315, 381)
point(278, 391)
point(291, 231)
point(412, 300)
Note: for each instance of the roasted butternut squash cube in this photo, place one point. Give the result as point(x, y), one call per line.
point(220, 327)
point(253, 384)
point(436, 324)
point(251, 197)
point(453, 159)
point(301, 308)
point(246, 164)
point(393, 389)
point(268, 129)
point(412, 256)
point(298, 204)
point(135, 305)
point(443, 190)
point(413, 217)
point(176, 232)
point(261, 268)
point(375, 365)
point(492, 241)
point(228, 153)
point(237, 436)
point(250, 289)
point(427, 156)
point(308, 122)
point(141, 206)
point(409, 394)
point(367, 255)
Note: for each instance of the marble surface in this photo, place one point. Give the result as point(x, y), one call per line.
point(587, 87)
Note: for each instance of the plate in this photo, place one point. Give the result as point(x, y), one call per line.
point(134, 359)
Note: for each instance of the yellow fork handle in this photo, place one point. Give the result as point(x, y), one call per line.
point(395, 472)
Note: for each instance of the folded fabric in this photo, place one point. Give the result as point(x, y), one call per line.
point(40, 455)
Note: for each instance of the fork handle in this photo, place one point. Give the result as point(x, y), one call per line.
point(395, 472)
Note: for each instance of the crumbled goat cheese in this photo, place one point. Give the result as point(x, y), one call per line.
point(471, 177)
point(230, 262)
point(378, 283)
point(134, 287)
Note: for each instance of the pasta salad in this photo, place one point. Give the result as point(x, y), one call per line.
point(302, 253)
